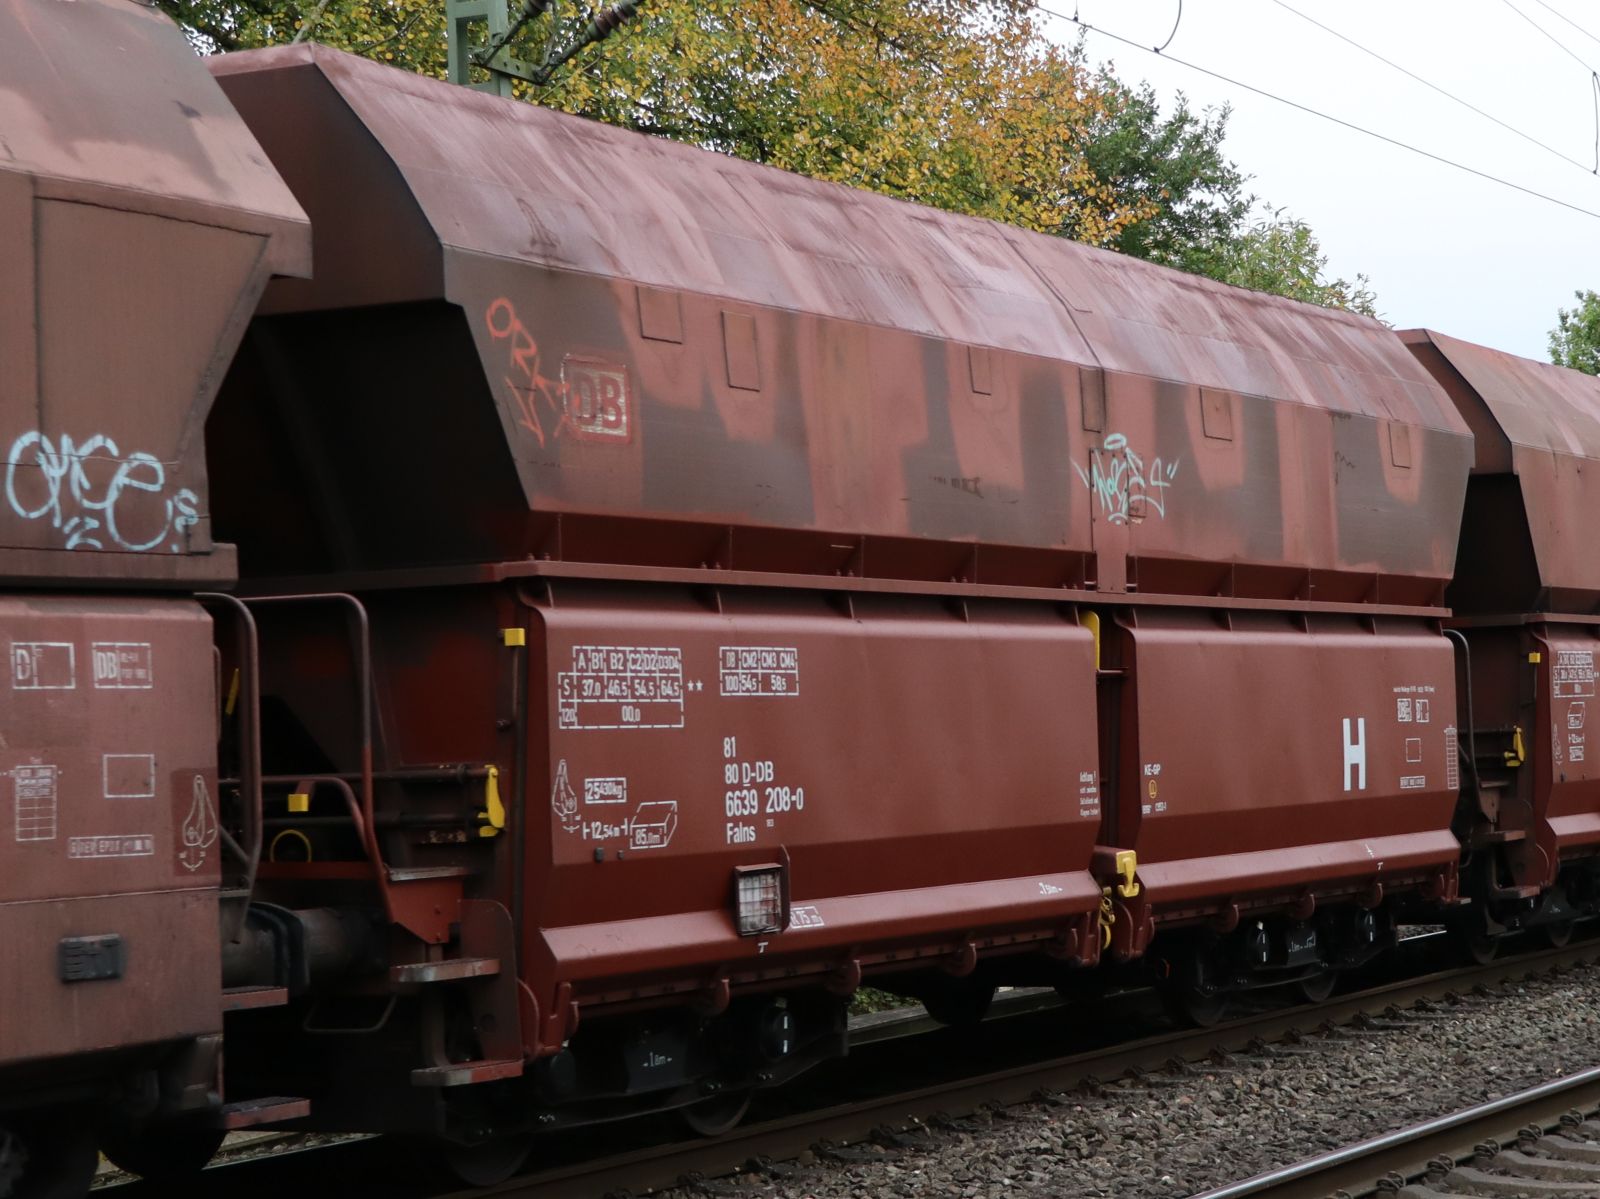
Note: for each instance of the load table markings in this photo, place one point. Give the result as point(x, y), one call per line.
point(621, 687)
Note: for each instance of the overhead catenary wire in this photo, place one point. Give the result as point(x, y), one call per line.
point(1594, 75)
point(1543, 4)
point(592, 68)
point(1488, 116)
point(1557, 42)
point(1306, 108)
point(1177, 22)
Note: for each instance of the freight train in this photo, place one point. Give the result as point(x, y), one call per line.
point(511, 622)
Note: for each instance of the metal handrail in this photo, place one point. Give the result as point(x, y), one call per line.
point(363, 646)
point(247, 647)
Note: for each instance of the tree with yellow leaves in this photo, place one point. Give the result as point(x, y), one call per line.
point(960, 104)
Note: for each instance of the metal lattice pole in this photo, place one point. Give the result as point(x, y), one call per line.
point(463, 19)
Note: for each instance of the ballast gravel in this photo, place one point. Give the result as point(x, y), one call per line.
point(1170, 1135)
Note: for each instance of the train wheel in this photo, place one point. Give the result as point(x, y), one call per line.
point(13, 1161)
point(1202, 1010)
point(1557, 935)
point(1318, 987)
point(488, 1163)
point(960, 1006)
point(1481, 948)
point(717, 1115)
point(162, 1154)
point(1472, 937)
point(50, 1157)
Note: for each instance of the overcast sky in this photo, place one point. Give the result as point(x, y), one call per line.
point(1443, 249)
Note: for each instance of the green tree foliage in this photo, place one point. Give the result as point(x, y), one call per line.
point(961, 104)
point(1173, 163)
point(1575, 341)
point(408, 33)
point(1280, 254)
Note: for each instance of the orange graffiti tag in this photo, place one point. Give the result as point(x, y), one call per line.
point(528, 385)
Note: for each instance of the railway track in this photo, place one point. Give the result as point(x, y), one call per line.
point(1543, 1141)
point(888, 1107)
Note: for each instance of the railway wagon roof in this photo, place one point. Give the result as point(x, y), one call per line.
point(530, 184)
point(102, 97)
point(664, 333)
point(1535, 405)
point(1536, 429)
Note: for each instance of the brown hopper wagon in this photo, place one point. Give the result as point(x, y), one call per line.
point(139, 222)
point(825, 588)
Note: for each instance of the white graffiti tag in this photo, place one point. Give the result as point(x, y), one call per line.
point(1126, 488)
point(96, 495)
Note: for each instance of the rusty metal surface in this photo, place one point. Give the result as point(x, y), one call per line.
point(1538, 436)
point(931, 770)
point(1328, 754)
point(670, 743)
point(167, 993)
point(139, 222)
point(1326, 762)
point(681, 744)
point(114, 834)
point(648, 330)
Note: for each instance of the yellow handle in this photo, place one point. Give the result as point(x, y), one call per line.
point(1127, 867)
point(1091, 621)
point(1517, 754)
point(272, 850)
point(494, 813)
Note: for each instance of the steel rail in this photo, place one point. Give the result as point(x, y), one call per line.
point(1357, 1168)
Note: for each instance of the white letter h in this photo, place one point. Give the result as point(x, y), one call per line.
point(1355, 753)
